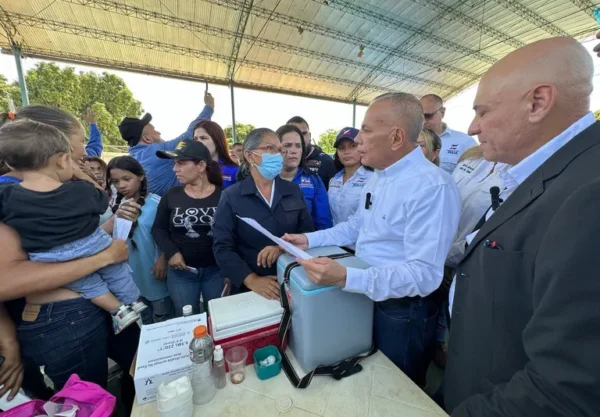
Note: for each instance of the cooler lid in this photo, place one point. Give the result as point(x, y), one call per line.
point(298, 275)
point(242, 313)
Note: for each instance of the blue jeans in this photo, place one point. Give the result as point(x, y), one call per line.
point(442, 325)
point(157, 311)
point(116, 278)
point(75, 337)
point(404, 332)
point(185, 287)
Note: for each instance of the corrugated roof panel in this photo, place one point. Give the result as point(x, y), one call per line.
point(410, 45)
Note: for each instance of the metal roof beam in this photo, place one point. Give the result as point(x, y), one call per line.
point(131, 11)
point(447, 12)
point(472, 81)
point(470, 22)
point(532, 17)
point(62, 27)
point(238, 36)
point(78, 59)
point(585, 5)
point(341, 36)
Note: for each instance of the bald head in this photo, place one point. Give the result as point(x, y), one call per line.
point(390, 129)
point(530, 96)
point(562, 62)
point(401, 109)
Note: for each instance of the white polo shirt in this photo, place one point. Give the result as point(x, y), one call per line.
point(454, 143)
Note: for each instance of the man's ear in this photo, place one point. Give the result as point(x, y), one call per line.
point(397, 138)
point(541, 101)
point(146, 139)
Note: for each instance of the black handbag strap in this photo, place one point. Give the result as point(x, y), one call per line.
point(338, 371)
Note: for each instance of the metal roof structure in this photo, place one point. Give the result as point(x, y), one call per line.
point(341, 50)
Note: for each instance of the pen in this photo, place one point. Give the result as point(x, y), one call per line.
point(492, 244)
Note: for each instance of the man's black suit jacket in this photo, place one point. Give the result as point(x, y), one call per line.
point(525, 337)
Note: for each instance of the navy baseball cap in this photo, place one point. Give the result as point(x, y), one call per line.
point(187, 150)
point(131, 128)
point(349, 133)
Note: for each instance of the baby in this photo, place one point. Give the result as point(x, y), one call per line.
point(58, 216)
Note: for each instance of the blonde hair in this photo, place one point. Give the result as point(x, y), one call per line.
point(433, 143)
point(473, 152)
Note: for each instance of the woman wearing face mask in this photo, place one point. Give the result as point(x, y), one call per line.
point(346, 186)
point(212, 136)
point(245, 255)
point(183, 224)
point(294, 170)
point(126, 176)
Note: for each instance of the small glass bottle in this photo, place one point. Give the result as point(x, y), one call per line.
point(187, 310)
point(219, 363)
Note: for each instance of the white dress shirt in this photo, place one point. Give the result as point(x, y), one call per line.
point(405, 234)
point(474, 178)
point(514, 176)
point(454, 143)
point(345, 196)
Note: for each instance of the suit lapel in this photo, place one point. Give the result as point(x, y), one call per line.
point(535, 184)
point(524, 195)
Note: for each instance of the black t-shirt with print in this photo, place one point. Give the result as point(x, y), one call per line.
point(184, 224)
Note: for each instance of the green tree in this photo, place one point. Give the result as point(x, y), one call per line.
point(241, 131)
point(11, 90)
point(106, 94)
point(597, 114)
point(327, 139)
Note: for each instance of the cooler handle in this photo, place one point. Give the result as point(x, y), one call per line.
point(338, 371)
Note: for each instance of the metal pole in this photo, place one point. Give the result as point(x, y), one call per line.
point(16, 50)
point(232, 112)
point(354, 113)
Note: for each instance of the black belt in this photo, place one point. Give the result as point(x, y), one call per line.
point(338, 371)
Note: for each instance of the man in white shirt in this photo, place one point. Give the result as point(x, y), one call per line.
point(523, 338)
point(404, 227)
point(454, 143)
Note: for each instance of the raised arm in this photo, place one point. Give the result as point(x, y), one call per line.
point(94, 146)
point(39, 277)
point(206, 114)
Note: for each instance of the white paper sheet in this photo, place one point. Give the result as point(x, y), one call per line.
point(122, 228)
point(288, 247)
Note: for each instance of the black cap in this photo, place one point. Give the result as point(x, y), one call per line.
point(131, 128)
point(349, 133)
point(187, 150)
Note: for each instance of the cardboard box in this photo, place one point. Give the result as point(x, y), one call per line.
point(163, 354)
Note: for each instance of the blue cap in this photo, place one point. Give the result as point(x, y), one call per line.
point(346, 133)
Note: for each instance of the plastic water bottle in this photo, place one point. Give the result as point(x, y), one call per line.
point(220, 374)
point(203, 378)
point(187, 310)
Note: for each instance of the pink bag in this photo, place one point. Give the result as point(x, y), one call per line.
point(92, 401)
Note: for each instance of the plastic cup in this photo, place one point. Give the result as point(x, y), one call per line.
point(236, 362)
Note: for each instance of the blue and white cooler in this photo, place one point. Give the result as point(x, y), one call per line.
point(328, 324)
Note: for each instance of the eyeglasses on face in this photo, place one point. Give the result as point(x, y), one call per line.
point(272, 149)
point(429, 116)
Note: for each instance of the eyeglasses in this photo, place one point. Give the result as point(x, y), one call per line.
point(272, 149)
point(429, 116)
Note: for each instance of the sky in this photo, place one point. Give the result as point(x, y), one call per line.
point(175, 103)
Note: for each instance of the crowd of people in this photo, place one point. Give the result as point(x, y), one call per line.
point(494, 241)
